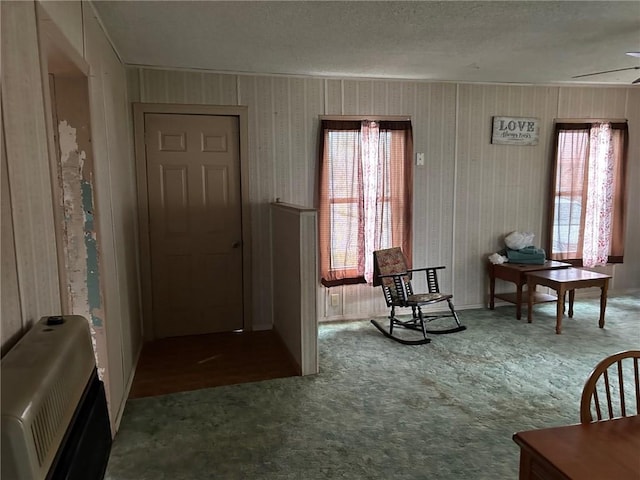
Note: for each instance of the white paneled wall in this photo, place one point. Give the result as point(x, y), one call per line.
point(628, 274)
point(499, 188)
point(12, 318)
point(115, 203)
point(29, 30)
point(28, 175)
point(593, 102)
point(467, 196)
point(295, 269)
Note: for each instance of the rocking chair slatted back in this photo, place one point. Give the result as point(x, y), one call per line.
point(432, 281)
point(396, 290)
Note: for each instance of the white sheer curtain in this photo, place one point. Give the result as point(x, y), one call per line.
point(364, 196)
point(600, 187)
point(570, 193)
point(374, 186)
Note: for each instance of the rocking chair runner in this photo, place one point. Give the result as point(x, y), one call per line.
point(391, 272)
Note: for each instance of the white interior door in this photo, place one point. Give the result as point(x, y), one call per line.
point(195, 223)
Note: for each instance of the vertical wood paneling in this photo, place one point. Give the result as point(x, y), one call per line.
point(12, 326)
point(116, 322)
point(133, 85)
point(266, 182)
point(462, 190)
point(544, 101)
point(227, 88)
point(627, 275)
point(592, 102)
point(193, 91)
point(407, 95)
point(295, 311)
point(248, 95)
point(30, 180)
point(421, 174)
point(176, 88)
point(433, 127)
point(67, 15)
point(282, 139)
point(394, 104)
point(198, 88)
point(301, 167)
point(125, 258)
point(441, 149)
point(333, 98)
point(112, 371)
point(350, 97)
point(495, 185)
point(152, 86)
point(28, 164)
point(373, 97)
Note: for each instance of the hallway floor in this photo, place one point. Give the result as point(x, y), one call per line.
point(180, 364)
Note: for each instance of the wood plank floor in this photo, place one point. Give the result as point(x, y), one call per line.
point(181, 364)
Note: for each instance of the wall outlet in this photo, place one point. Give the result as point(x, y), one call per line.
point(335, 299)
point(420, 159)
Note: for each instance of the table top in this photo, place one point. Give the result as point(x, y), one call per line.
point(524, 267)
point(603, 450)
point(568, 275)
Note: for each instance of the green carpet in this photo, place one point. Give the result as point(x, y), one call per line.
point(381, 410)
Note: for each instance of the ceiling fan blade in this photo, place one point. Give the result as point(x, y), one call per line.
point(607, 71)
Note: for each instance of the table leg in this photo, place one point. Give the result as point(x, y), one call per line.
point(492, 291)
point(530, 289)
point(519, 301)
point(572, 294)
point(525, 465)
point(560, 310)
point(603, 301)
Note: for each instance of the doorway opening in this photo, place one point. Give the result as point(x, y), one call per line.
point(66, 95)
point(195, 233)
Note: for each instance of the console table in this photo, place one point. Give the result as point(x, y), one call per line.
point(604, 450)
point(517, 273)
point(567, 280)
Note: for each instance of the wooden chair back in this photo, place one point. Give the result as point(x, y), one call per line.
point(612, 389)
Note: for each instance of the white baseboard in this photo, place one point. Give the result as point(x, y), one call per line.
point(580, 293)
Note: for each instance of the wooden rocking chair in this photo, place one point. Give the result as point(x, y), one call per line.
point(392, 274)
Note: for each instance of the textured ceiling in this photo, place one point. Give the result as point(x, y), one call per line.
point(516, 41)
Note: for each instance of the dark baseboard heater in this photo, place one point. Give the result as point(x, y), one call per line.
point(55, 422)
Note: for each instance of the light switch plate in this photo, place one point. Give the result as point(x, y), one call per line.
point(420, 159)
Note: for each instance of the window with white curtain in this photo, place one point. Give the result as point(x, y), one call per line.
point(365, 195)
point(588, 197)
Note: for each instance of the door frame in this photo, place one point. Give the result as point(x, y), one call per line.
point(241, 113)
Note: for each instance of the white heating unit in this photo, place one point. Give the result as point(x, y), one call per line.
point(55, 423)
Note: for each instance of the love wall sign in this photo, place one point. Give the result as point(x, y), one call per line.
point(515, 131)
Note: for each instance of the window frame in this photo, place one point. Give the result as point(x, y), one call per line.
point(617, 253)
point(345, 275)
